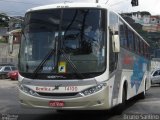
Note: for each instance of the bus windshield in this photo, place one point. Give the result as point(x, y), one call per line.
point(76, 38)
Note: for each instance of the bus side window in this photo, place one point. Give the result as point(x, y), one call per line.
point(130, 39)
point(134, 42)
point(137, 45)
point(144, 50)
point(140, 51)
point(127, 40)
point(123, 37)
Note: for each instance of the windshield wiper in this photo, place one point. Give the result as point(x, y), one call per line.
point(55, 52)
point(72, 64)
point(52, 51)
point(70, 24)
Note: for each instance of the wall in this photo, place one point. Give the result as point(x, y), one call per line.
point(5, 57)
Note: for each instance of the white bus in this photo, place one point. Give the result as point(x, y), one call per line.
point(80, 56)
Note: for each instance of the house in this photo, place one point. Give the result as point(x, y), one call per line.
point(16, 36)
point(15, 25)
point(3, 34)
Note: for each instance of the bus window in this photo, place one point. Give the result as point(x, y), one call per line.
point(137, 44)
point(145, 50)
point(123, 39)
point(134, 41)
point(130, 39)
point(126, 34)
point(142, 47)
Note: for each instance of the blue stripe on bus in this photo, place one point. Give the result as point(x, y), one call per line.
point(139, 68)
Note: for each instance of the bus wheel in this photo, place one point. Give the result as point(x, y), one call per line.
point(122, 106)
point(143, 94)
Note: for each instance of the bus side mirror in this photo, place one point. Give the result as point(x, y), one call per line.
point(115, 43)
point(10, 47)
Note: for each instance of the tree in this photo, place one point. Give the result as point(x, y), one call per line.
point(4, 20)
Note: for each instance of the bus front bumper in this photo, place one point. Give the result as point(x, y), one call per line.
point(96, 101)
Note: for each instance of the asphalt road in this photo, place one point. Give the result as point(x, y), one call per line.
point(137, 109)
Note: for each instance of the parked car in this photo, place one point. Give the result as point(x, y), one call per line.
point(155, 77)
point(5, 69)
point(13, 75)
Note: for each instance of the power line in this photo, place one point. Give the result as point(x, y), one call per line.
point(9, 11)
point(19, 2)
point(13, 13)
point(107, 1)
point(118, 2)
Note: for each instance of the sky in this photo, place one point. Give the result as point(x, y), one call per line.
point(19, 7)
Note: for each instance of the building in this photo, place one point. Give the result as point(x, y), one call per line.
point(150, 23)
point(3, 34)
point(5, 56)
point(15, 24)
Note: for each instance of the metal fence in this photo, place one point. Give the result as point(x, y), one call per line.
point(13, 61)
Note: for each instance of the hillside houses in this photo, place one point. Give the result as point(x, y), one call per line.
point(150, 23)
point(11, 28)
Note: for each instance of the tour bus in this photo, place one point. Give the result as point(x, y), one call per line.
point(80, 57)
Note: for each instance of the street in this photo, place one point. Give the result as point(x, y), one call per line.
point(10, 107)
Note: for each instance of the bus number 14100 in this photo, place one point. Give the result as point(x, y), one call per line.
point(71, 88)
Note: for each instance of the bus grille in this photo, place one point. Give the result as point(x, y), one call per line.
point(57, 94)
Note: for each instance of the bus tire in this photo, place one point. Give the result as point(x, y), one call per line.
point(120, 108)
point(143, 94)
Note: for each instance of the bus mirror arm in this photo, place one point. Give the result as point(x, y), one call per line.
point(115, 43)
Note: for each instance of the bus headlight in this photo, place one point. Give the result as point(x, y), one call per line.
point(93, 89)
point(27, 90)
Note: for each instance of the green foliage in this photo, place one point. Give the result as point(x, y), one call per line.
point(3, 20)
point(2, 41)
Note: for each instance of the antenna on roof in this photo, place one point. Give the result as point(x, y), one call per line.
point(67, 2)
point(106, 1)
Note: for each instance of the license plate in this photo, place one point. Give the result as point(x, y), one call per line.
point(56, 103)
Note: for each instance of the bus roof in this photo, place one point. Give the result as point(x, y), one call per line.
point(68, 5)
